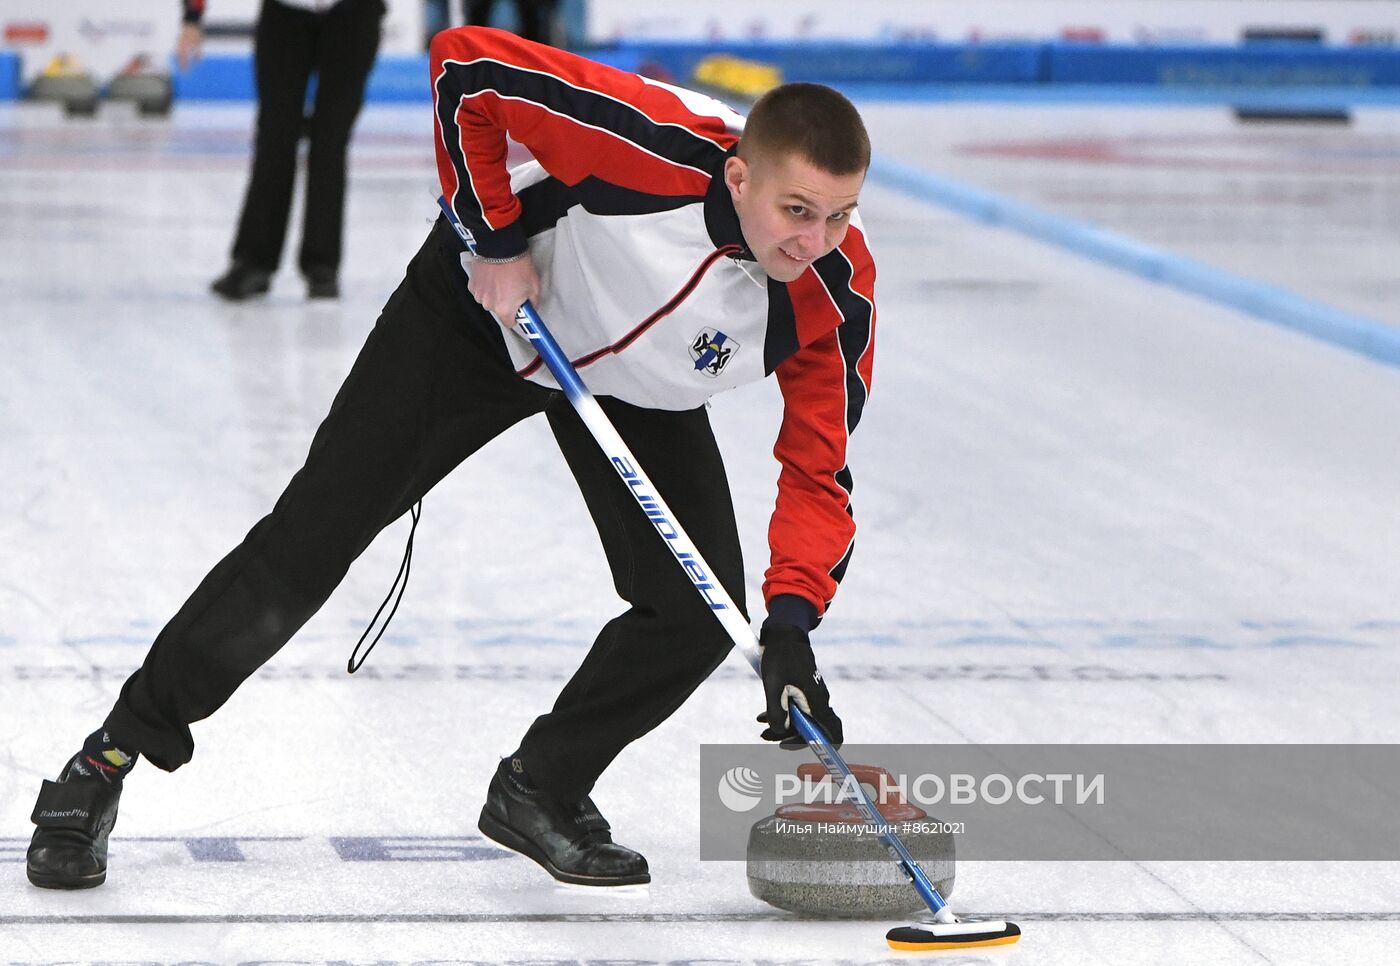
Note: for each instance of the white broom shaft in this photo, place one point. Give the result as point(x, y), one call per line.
point(667, 526)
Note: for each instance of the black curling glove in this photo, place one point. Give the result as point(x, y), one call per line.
point(790, 674)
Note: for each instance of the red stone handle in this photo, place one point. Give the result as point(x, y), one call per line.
point(815, 773)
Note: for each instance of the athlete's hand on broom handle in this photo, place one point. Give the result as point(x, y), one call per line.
point(501, 287)
point(790, 676)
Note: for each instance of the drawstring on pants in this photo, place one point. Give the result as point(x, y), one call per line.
point(351, 665)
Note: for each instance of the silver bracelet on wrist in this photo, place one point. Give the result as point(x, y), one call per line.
point(500, 261)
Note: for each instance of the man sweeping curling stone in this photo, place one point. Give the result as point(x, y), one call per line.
point(674, 260)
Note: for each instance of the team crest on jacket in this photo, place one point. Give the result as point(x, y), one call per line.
point(712, 350)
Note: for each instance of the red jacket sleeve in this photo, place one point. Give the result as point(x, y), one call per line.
point(825, 385)
point(578, 118)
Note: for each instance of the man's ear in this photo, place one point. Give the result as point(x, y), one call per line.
point(736, 176)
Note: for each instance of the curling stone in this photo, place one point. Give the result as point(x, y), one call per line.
point(811, 858)
point(64, 81)
point(151, 91)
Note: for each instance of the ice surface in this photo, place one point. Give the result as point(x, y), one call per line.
point(1092, 509)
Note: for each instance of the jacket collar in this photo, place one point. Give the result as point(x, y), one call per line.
point(721, 220)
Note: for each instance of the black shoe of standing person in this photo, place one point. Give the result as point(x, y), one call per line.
point(571, 840)
point(242, 281)
point(74, 819)
point(322, 283)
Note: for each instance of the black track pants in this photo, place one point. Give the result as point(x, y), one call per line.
point(430, 387)
point(648, 660)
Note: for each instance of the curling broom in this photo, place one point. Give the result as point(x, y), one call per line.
point(940, 929)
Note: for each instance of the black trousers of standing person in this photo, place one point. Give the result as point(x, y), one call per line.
point(536, 17)
point(339, 46)
point(431, 386)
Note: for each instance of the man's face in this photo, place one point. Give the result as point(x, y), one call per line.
point(790, 211)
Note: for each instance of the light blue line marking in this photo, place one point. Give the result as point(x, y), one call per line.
point(1271, 303)
point(1317, 97)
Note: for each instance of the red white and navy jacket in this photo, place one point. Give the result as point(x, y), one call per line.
point(646, 279)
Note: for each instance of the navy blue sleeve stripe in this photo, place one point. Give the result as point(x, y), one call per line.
point(471, 216)
point(601, 197)
point(853, 336)
point(548, 200)
point(839, 571)
point(854, 333)
point(543, 204)
point(780, 340)
point(458, 80)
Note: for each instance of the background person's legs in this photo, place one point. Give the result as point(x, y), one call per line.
point(284, 50)
point(345, 50)
point(648, 660)
point(477, 13)
point(536, 20)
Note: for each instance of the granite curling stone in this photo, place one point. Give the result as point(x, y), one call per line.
point(812, 859)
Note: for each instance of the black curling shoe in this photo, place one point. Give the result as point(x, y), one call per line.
point(69, 847)
point(322, 283)
point(241, 281)
point(572, 841)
